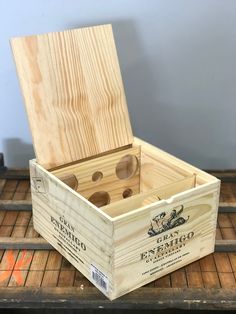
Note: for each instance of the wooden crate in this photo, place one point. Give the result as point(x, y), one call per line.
point(122, 211)
point(34, 275)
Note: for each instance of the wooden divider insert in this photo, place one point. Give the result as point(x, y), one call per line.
point(105, 179)
point(150, 196)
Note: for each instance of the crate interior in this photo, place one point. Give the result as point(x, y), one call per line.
point(129, 179)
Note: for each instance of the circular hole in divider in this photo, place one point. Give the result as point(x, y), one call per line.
point(97, 176)
point(100, 198)
point(127, 193)
point(70, 180)
point(127, 167)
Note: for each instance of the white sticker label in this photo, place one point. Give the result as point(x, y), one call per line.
point(99, 278)
point(39, 185)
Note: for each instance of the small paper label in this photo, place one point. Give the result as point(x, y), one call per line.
point(39, 185)
point(99, 278)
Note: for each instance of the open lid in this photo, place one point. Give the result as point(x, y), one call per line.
point(73, 92)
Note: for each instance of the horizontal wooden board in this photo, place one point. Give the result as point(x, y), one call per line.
point(142, 299)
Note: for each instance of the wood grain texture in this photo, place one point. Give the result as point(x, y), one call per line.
point(73, 92)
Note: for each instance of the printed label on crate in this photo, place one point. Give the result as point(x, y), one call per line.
point(170, 241)
point(167, 220)
point(66, 238)
point(171, 249)
point(99, 278)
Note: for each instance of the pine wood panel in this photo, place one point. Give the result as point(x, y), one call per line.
point(73, 92)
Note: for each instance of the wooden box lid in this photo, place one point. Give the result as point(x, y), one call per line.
point(73, 92)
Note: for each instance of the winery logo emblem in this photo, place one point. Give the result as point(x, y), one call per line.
point(166, 221)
